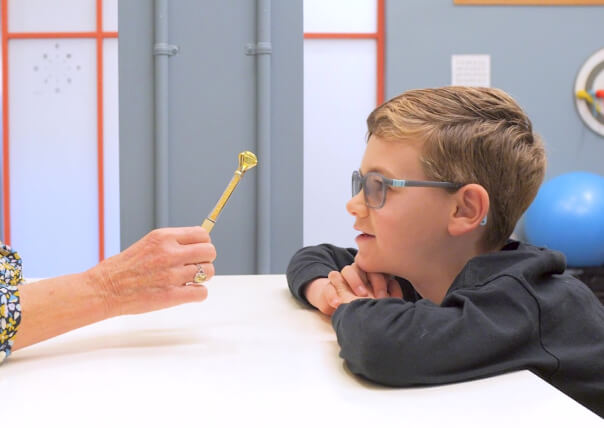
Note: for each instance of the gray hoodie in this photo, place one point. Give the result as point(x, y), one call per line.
point(509, 310)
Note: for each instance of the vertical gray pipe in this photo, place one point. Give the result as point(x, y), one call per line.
point(161, 114)
point(263, 134)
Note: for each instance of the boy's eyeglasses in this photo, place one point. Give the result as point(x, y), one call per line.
point(375, 186)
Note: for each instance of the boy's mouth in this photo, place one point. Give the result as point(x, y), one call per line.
point(364, 238)
point(363, 235)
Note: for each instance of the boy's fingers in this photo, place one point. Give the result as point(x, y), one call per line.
point(331, 297)
point(353, 278)
point(379, 284)
point(361, 273)
point(339, 284)
point(394, 288)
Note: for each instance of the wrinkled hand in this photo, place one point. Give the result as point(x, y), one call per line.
point(352, 283)
point(153, 273)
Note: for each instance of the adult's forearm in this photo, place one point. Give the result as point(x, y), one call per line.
point(151, 274)
point(54, 306)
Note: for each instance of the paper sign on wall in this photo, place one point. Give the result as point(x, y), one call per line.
point(471, 70)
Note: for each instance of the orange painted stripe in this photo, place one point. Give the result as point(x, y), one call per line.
point(380, 38)
point(5, 145)
point(340, 35)
point(99, 127)
point(63, 35)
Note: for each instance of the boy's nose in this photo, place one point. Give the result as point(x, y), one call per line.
point(356, 205)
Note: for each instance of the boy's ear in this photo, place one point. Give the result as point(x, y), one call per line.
point(471, 206)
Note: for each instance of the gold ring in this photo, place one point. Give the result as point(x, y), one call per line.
point(200, 276)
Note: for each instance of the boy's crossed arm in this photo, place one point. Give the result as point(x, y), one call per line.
point(326, 294)
point(330, 277)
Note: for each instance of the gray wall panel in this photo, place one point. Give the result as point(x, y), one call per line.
point(287, 132)
point(136, 119)
point(536, 53)
point(212, 119)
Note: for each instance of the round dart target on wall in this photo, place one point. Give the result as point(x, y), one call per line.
point(589, 92)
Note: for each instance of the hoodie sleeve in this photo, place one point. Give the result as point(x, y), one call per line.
point(474, 333)
point(314, 262)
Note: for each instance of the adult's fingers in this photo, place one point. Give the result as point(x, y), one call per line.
point(357, 281)
point(164, 247)
point(379, 284)
point(187, 273)
point(189, 235)
point(191, 293)
point(196, 253)
point(394, 288)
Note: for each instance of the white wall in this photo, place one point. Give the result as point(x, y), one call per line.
point(339, 94)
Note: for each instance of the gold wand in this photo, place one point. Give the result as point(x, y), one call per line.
point(247, 160)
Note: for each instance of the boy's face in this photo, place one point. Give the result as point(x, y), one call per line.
point(403, 236)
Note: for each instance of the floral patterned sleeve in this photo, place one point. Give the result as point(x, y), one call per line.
point(10, 308)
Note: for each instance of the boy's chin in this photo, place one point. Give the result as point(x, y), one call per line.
point(372, 264)
point(366, 264)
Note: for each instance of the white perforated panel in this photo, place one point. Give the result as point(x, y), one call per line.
point(53, 132)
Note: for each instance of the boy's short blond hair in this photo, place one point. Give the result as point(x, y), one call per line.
point(471, 135)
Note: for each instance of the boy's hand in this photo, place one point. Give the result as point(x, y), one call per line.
point(375, 285)
point(343, 290)
point(353, 283)
point(322, 295)
point(326, 294)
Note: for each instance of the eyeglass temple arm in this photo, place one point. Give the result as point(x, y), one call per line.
point(414, 183)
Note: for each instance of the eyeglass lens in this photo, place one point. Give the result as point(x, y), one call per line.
point(374, 190)
point(373, 187)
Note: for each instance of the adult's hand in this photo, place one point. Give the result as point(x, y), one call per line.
point(157, 271)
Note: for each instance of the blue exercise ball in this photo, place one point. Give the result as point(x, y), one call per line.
point(568, 215)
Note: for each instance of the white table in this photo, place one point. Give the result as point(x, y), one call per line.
point(249, 355)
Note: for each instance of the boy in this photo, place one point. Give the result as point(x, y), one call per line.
point(445, 176)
